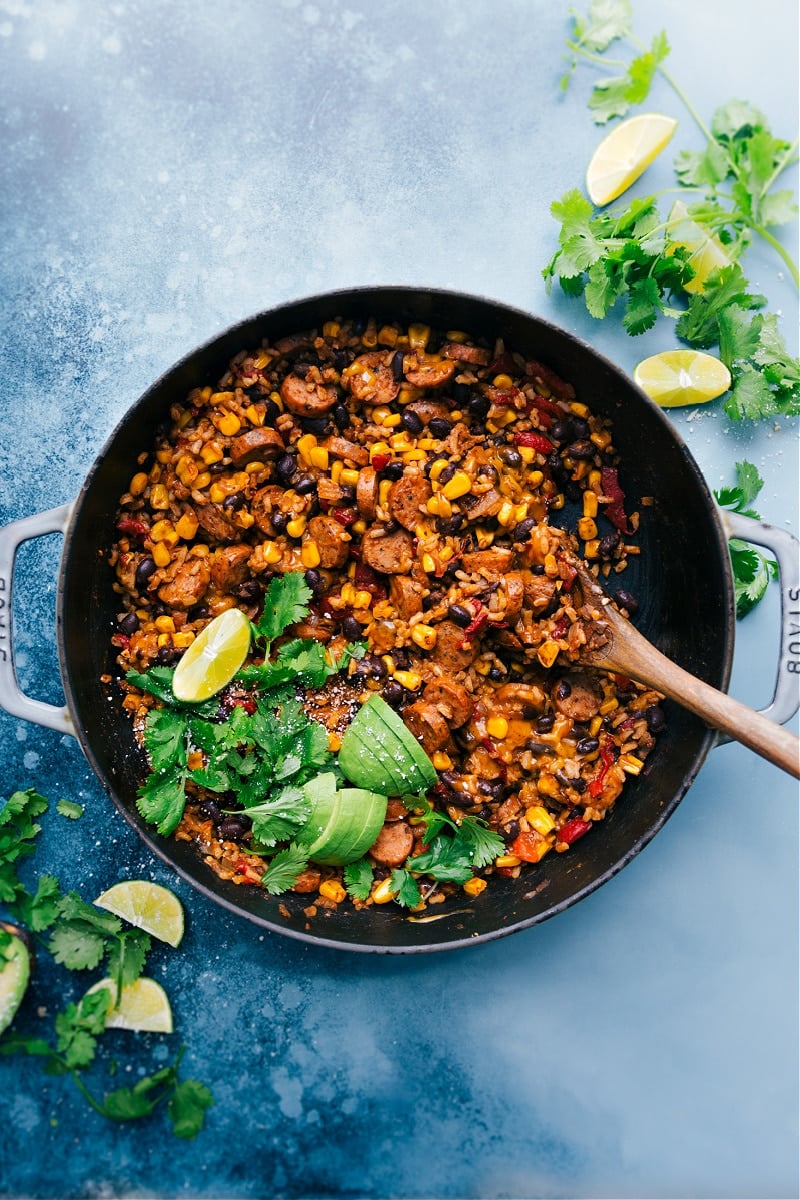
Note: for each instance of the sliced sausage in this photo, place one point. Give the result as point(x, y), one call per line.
point(539, 592)
point(407, 499)
point(330, 494)
point(229, 566)
point(428, 372)
point(452, 651)
point(255, 444)
point(577, 696)
point(332, 539)
point(367, 492)
point(486, 506)
point(462, 352)
point(393, 844)
point(264, 503)
point(370, 379)
point(427, 724)
point(520, 699)
point(427, 410)
point(339, 447)
point(308, 880)
point(494, 561)
point(390, 553)
point(305, 398)
point(187, 584)
point(216, 524)
point(514, 588)
point(293, 342)
point(406, 596)
point(452, 700)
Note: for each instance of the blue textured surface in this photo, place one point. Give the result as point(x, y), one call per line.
point(168, 168)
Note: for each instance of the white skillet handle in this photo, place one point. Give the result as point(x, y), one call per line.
point(12, 698)
point(786, 548)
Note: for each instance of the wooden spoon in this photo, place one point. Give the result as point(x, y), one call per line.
point(617, 646)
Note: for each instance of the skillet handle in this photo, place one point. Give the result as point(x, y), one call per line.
point(784, 545)
point(12, 698)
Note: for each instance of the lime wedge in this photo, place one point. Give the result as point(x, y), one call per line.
point(143, 1006)
point(625, 153)
point(213, 658)
point(148, 906)
point(677, 377)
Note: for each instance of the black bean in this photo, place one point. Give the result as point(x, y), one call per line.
point(563, 690)
point(359, 325)
point(579, 784)
point(520, 532)
point(432, 599)
point(478, 405)
point(314, 581)
point(461, 393)
point(377, 668)
point(626, 600)
point(496, 674)
point(412, 422)
point(440, 427)
point(580, 427)
point(510, 830)
point(539, 747)
point(233, 827)
point(348, 494)
point(397, 366)
point(234, 502)
point(448, 526)
point(588, 745)
point(448, 473)
point(271, 412)
point(285, 467)
point(537, 569)
point(545, 723)
point(563, 779)
point(278, 521)
point(459, 615)
point(319, 426)
point(351, 629)
point(210, 810)
point(608, 544)
point(581, 449)
point(572, 491)
point(167, 655)
point(450, 779)
point(561, 431)
point(248, 591)
point(341, 417)
point(143, 572)
point(393, 693)
point(654, 716)
point(129, 624)
point(392, 470)
point(305, 485)
point(460, 799)
point(313, 508)
point(511, 456)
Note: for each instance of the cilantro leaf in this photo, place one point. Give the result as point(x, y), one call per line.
point(79, 1026)
point(614, 97)
point(187, 1107)
point(284, 869)
point(126, 957)
point(38, 911)
point(76, 947)
point(68, 808)
point(358, 879)
point(162, 799)
point(133, 1103)
point(752, 570)
point(285, 602)
point(279, 817)
point(405, 888)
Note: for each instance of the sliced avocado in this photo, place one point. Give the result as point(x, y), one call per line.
point(359, 820)
point(15, 972)
point(380, 753)
point(323, 798)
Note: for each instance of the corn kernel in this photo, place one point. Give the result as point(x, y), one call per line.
point(483, 666)
point(400, 442)
point(442, 761)
point(217, 398)
point(587, 528)
point(497, 727)
point(254, 415)
point(540, 819)
point(424, 636)
point(589, 503)
point(631, 764)
point(428, 564)
point(362, 598)
point(547, 785)
point(296, 527)
point(227, 423)
point(202, 481)
point(595, 725)
point(309, 554)
point(336, 470)
point(384, 487)
point(602, 439)
point(437, 467)
point(418, 336)
point(164, 624)
point(331, 889)
point(535, 479)
point(243, 519)
point(527, 453)
point(334, 742)
point(551, 566)
point(183, 639)
point(388, 662)
point(163, 531)
point(410, 680)
point(608, 706)
point(505, 516)
point(547, 653)
point(507, 860)
point(439, 506)
point(349, 476)
point(392, 421)
point(474, 886)
point(503, 382)
point(595, 481)
point(138, 484)
point(383, 892)
point(331, 329)
point(159, 497)
point(211, 453)
point(217, 493)
point(387, 335)
point(414, 455)
point(163, 456)
point(359, 526)
point(272, 553)
point(348, 593)
point(458, 486)
point(318, 457)
point(161, 554)
point(379, 448)
point(164, 639)
point(580, 410)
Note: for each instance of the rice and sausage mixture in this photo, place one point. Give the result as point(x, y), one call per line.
point(412, 476)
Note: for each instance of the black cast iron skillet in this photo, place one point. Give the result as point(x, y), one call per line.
point(682, 581)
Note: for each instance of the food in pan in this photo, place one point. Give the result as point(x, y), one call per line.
point(359, 530)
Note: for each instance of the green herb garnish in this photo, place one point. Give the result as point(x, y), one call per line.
point(752, 570)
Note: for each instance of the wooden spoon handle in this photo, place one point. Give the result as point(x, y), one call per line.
point(634, 656)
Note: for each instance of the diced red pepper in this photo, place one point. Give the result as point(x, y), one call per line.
point(379, 461)
point(120, 640)
point(623, 682)
point(506, 872)
point(506, 396)
point(345, 516)
point(546, 407)
point(555, 383)
point(366, 579)
point(504, 364)
point(606, 762)
point(615, 509)
point(477, 623)
point(560, 628)
point(567, 574)
point(245, 702)
point(133, 527)
point(536, 441)
point(528, 845)
point(573, 829)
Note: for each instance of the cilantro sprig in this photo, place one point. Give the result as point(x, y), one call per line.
point(80, 937)
point(752, 570)
point(624, 260)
